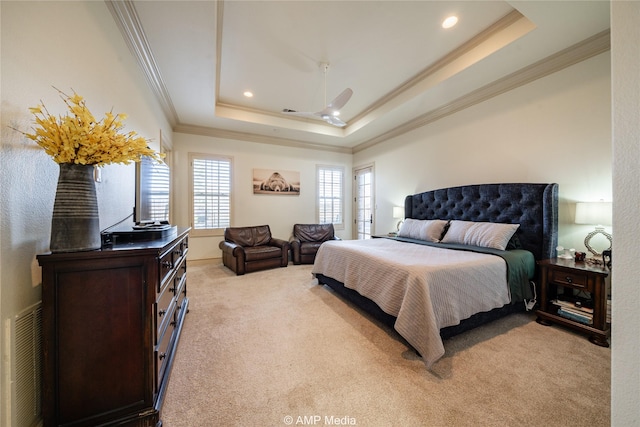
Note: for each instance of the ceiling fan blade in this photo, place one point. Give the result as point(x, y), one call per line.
point(300, 113)
point(330, 112)
point(329, 118)
point(340, 100)
point(333, 120)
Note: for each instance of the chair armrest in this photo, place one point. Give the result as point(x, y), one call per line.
point(282, 244)
point(231, 248)
point(294, 245)
point(284, 247)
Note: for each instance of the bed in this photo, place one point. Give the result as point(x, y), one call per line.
point(465, 256)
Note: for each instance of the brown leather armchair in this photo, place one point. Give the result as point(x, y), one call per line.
point(247, 249)
point(306, 241)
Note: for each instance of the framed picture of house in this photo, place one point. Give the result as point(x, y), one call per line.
point(272, 181)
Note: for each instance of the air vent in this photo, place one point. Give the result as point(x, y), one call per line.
point(24, 336)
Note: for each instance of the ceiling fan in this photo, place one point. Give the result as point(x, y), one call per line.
point(331, 112)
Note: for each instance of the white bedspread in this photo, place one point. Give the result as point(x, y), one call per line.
point(426, 288)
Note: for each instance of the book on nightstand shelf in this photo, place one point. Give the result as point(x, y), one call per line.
point(582, 308)
point(585, 318)
point(578, 312)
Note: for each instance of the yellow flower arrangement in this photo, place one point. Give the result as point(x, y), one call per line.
point(79, 138)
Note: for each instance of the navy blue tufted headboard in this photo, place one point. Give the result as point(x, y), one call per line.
point(533, 206)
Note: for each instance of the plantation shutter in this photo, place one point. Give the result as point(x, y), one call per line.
point(211, 193)
point(330, 195)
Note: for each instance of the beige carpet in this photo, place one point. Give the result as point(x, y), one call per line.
point(272, 348)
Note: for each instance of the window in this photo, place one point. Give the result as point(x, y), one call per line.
point(331, 195)
point(211, 193)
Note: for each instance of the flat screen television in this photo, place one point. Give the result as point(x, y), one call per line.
point(153, 185)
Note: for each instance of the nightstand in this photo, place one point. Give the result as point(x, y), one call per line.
point(574, 294)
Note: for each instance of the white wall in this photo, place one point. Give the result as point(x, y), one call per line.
point(556, 129)
point(625, 370)
point(278, 211)
point(69, 45)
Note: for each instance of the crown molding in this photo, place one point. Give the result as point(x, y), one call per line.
point(581, 51)
point(261, 139)
point(126, 17)
point(504, 31)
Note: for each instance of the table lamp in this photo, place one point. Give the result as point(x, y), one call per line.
point(398, 213)
point(597, 214)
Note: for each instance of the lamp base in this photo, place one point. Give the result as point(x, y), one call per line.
point(587, 240)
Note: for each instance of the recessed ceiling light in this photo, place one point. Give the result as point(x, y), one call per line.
point(450, 21)
point(248, 94)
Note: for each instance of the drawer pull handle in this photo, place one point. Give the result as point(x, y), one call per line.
point(162, 313)
point(167, 264)
point(569, 280)
point(162, 356)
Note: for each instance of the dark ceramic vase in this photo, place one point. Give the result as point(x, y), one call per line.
point(75, 222)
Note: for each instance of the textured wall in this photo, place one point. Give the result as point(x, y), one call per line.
point(625, 64)
point(70, 45)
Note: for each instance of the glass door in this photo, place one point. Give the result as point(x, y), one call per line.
point(364, 202)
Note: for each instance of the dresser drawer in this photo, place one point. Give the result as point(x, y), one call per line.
point(167, 264)
point(571, 279)
point(181, 272)
point(164, 308)
point(172, 261)
point(180, 250)
point(181, 294)
point(162, 351)
point(180, 306)
point(184, 245)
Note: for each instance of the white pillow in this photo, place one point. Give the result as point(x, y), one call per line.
point(484, 234)
point(420, 229)
point(410, 228)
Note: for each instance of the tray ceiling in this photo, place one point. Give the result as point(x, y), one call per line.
point(405, 69)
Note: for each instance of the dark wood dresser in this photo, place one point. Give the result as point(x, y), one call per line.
point(111, 323)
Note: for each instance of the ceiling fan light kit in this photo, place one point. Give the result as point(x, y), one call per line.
point(331, 111)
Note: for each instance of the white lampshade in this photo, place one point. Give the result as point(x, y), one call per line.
point(593, 213)
point(398, 212)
